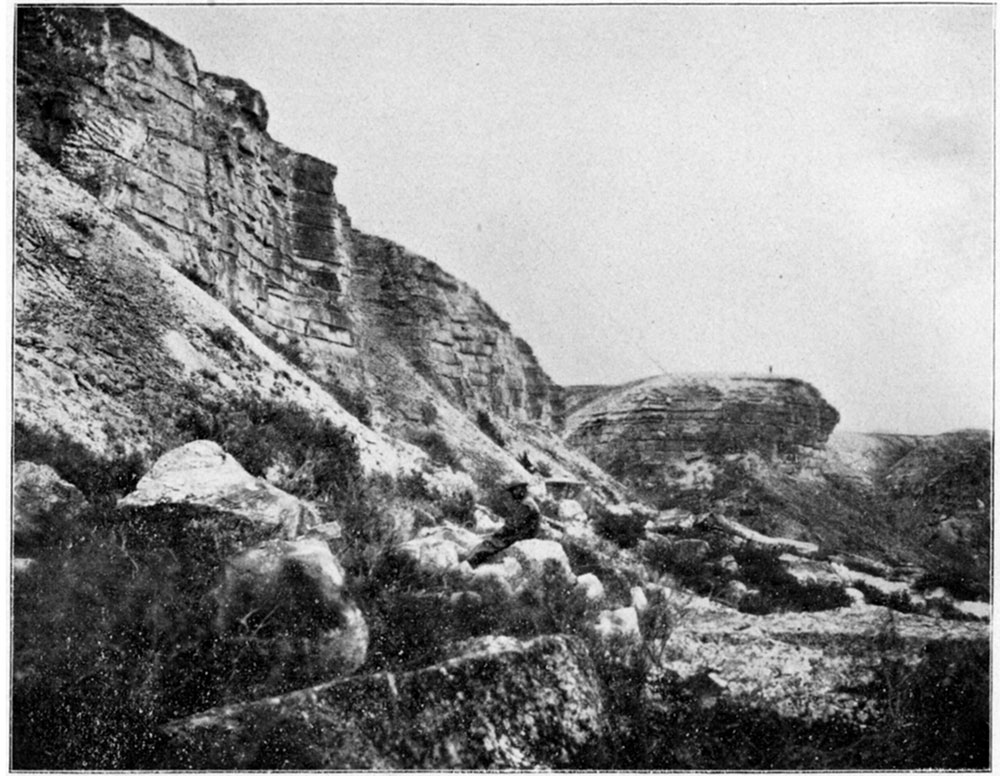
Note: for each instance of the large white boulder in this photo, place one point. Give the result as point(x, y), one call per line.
point(292, 593)
point(570, 509)
point(202, 474)
point(432, 552)
point(591, 586)
point(533, 556)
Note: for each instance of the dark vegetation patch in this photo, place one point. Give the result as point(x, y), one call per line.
point(758, 567)
point(963, 583)
point(488, 427)
point(225, 338)
point(622, 527)
point(111, 637)
point(437, 446)
point(779, 590)
point(321, 459)
point(192, 274)
point(101, 480)
point(935, 714)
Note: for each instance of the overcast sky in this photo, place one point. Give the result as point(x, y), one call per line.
point(668, 188)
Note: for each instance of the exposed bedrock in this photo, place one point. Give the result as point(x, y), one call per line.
point(672, 417)
point(185, 157)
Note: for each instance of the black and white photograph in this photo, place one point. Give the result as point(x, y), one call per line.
point(522, 386)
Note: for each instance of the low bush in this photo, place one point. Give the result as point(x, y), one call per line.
point(414, 614)
point(354, 401)
point(623, 528)
point(428, 413)
point(224, 337)
point(460, 508)
point(486, 425)
point(437, 447)
point(961, 583)
point(322, 458)
point(700, 575)
point(111, 639)
point(778, 589)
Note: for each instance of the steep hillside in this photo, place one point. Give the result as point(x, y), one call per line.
point(117, 350)
point(183, 159)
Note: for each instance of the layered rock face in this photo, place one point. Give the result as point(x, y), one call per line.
point(664, 419)
point(184, 155)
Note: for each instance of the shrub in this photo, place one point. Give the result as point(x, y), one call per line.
point(701, 576)
point(623, 527)
point(460, 508)
point(428, 413)
point(486, 425)
point(224, 337)
point(939, 711)
point(356, 402)
point(625, 668)
point(412, 616)
point(437, 447)
point(260, 432)
point(961, 583)
point(779, 590)
point(110, 639)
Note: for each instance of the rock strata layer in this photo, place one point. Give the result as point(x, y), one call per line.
point(184, 155)
point(672, 417)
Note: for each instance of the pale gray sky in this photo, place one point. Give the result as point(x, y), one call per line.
point(668, 188)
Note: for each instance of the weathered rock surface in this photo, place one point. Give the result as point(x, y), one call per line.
point(123, 110)
point(503, 704)
point(535, 558)
point(202, 474)
point(113, 347)
point(293, 591)
point(43, 504)
point(806, 664)
point(664, 419)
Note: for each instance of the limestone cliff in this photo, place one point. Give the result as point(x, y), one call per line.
point(666, 419)
point(185, 156)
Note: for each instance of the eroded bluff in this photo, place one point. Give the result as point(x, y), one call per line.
point(665, 419)
point(185, 156)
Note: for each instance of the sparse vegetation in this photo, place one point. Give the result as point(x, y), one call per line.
point(224, 337)
point(778, 589)
point(488, 427)
point(620, 526)
point(428, 413)
point(354, 401)
point(437, 447)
